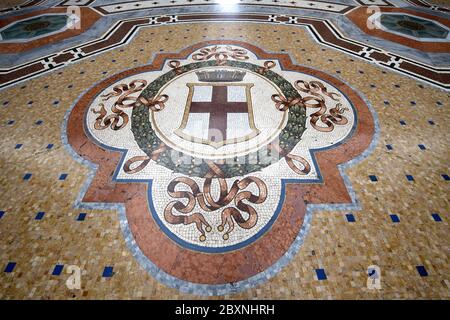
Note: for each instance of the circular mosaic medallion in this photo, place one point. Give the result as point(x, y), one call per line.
point(218, 118)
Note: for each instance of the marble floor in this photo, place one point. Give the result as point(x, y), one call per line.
point(214, 149)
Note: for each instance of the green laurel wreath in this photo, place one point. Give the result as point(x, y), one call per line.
point(148, 141)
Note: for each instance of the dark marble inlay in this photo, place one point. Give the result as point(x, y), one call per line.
point(35, 27)
point(413, 26)
point(410, 25)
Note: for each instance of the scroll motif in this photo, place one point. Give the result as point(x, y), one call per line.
point(267, 66)
point(315, 100)
point(176, 66)
point(289, 158)
point(113, 120)
point(119, 119)
point(229, 216)
point(144, 160)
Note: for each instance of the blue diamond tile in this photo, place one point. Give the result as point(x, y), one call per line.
point(2, 213)
point(350, 217)
point(27, 176)
point(30, 102)
point(49, 146)
point(63, 176)
point(439, 103)
point(421, 147)
point(39, 215)
point(57, 269)
point(10, 122)
point(39, 122)
point(108, 272)
point(394, 218)
point(55, 102)
point(18, 146)
point(386, 102)
point(422, 271)
point(436, 217)
point(10, 267)
point(402, 122)
point(373, 178)
point(409, 177)
point(431, 122)
point(445, 177)
point(5, 103)
point(389, 147)
point(81, 216)
point(413, 103)
point(321, 275)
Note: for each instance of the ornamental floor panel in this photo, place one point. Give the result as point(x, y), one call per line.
point(224, 149)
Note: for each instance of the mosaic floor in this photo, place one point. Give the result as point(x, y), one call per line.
point(200, 149)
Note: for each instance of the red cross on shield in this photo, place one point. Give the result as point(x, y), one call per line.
point(218, 114)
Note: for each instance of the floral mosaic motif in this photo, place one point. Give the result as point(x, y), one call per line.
point(35, 27)
point(413, 26)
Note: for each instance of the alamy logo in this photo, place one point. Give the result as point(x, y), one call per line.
point(374, 277)
point(74, 20)
point(373, 11)
point(73, 282)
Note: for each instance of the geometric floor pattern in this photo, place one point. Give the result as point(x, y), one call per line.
point(224, 149)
